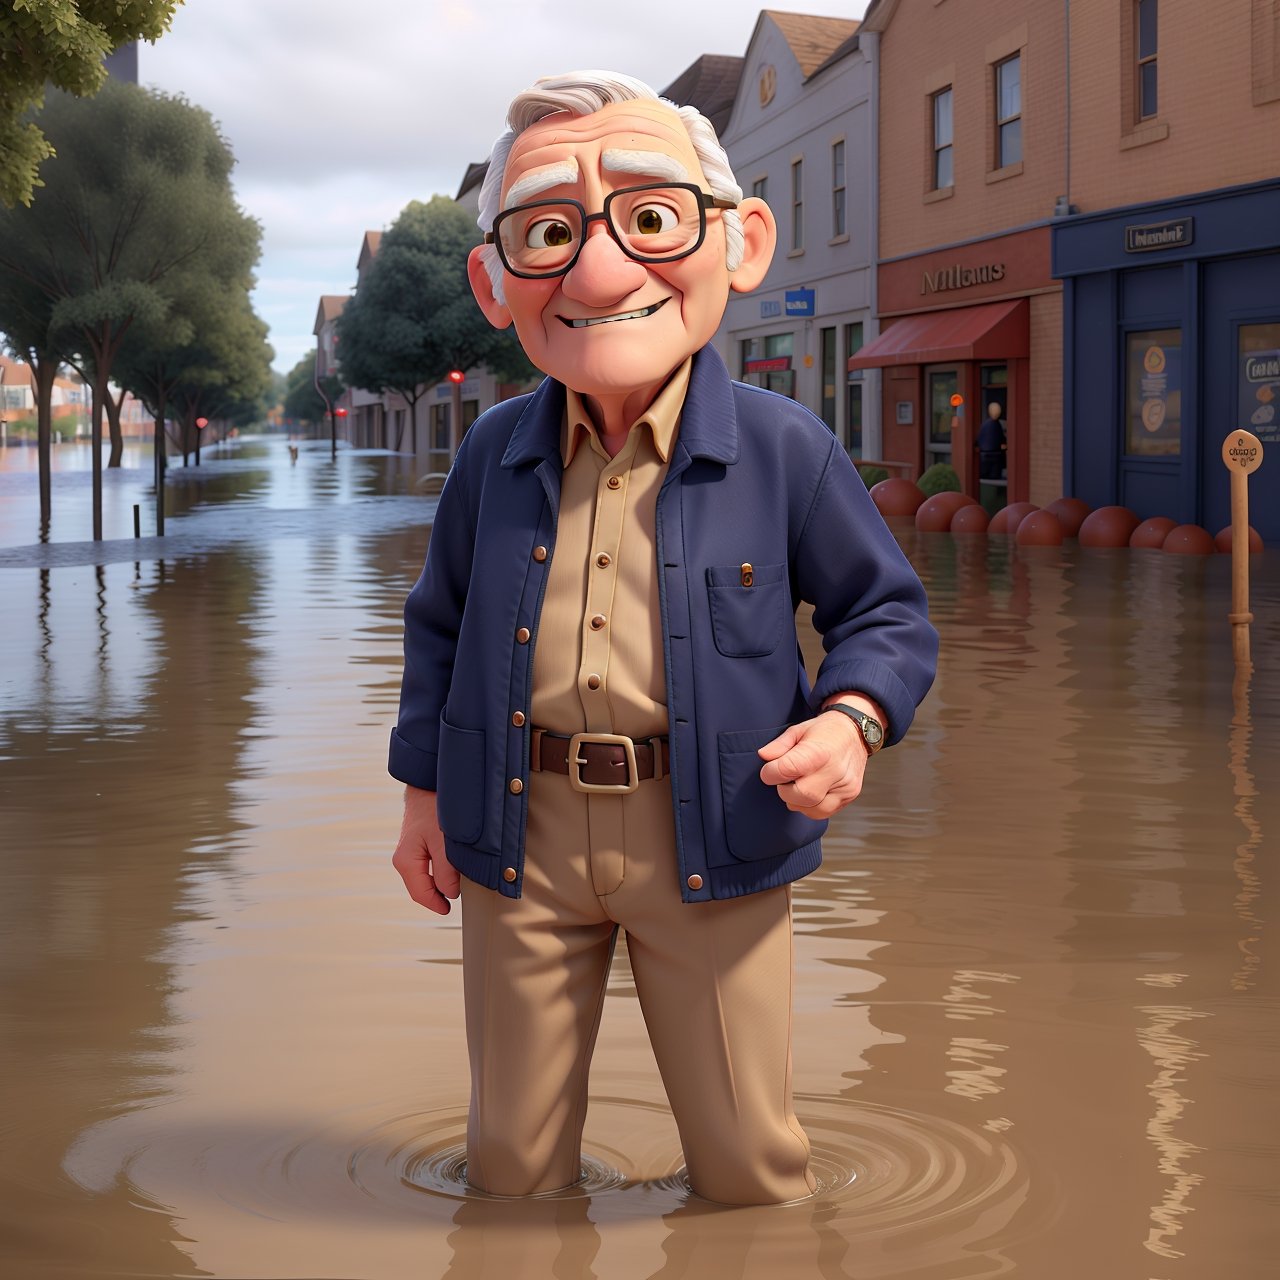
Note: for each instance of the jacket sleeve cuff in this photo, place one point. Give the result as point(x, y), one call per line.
point(875, 681)
point(411, 765)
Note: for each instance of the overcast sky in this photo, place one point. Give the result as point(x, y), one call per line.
point(341, 113)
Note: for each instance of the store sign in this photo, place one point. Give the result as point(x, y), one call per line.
point(800, 302)
point(1159, 235)
point(445, 389)
point(959, 277)
point(772, 364)
point(768, 310)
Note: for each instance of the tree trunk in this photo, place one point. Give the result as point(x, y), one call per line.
point(198, 434)
point(399, 432)
point(46, 371)
point(159, 464)
point(413, 419)
point(113, 407)
point(100, 394)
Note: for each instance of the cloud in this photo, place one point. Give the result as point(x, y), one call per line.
point(340, 114)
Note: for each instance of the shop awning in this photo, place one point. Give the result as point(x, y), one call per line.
point(988, 331)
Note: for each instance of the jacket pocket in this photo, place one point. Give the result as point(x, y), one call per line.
point(748, 622)
point(757, 823)
point(460, 782)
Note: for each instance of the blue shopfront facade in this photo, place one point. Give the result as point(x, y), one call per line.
point(1171, 331)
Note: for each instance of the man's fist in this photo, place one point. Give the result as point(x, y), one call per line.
point(816, 765)
point(419, 856)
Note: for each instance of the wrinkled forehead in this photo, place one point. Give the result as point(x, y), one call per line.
point(582, 141)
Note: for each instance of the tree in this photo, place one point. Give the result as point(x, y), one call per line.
point(413, 318)
point(301, 399)
point(62, 43)
point(141, 189)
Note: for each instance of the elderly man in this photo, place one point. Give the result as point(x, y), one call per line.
point(605, 721)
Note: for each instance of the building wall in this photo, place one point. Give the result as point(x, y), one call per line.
point(801, 121)
point(1218, 123)
point(930, 44)
point(1046, 399)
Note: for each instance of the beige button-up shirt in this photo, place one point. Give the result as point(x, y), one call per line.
point(598, 660)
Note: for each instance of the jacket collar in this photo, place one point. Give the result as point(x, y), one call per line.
point(708, 422)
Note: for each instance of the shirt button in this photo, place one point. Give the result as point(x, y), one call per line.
point(593, 682)
point(604, 560)
point(517, 718)
point(539, 554)
point(598, 621)
point(614, 482)
point(522, 636)
point(515, 786)
point(694, 882)
point(509, 875)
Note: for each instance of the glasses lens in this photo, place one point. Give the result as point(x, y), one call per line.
point(656, 222)
point(540, 238)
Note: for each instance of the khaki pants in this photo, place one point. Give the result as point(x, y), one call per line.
point(714, 982)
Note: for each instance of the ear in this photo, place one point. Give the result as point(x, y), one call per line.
point(494, 311)
point(760, 237)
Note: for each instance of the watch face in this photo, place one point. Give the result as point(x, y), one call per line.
point(873, 732)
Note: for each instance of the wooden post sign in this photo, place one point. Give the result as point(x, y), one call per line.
point(1242, 453)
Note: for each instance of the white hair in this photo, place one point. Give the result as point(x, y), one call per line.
point(582, 93)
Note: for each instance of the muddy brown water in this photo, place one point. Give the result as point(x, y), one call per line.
point(1036, 1027)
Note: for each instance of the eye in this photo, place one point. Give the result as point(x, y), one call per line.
point(548, 233)
point(653, 219)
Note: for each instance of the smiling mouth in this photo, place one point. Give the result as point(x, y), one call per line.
point(587, 321)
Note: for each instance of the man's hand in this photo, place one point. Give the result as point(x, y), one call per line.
point(817, 765)
point(419, 856)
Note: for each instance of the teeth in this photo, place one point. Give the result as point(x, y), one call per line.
point(622, 315)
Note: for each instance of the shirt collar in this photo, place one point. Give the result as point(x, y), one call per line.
point(662, 416)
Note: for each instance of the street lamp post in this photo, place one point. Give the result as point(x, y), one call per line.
point(456, 377)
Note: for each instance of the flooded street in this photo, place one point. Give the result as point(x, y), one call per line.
point(1037, 1024)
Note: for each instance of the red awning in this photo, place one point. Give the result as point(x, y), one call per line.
point(989, 331)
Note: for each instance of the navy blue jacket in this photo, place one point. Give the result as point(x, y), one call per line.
point(754, 477)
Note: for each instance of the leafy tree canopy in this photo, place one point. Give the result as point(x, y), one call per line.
point(413, 318)
point(63, 43)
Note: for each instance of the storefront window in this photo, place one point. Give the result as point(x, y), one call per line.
point(1259, 409)
point(853, 419)
point(778, 344)
point(942, 386)
point(1153, 394)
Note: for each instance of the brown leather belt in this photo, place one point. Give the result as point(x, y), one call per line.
point(601, 762)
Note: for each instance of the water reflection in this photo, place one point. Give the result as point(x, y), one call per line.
point(240, 1049)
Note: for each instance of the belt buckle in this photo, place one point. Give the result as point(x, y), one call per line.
point(608, 788)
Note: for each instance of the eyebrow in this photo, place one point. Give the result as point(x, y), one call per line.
point(655, 164)
point(536, 181)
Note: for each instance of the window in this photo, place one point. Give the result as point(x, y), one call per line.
point(853, 392)
point(942, 176)
point(1153, 394)
point(1146, 14)
point(1009, 111)
point(760, 189)
point(837, 188)
point(797, 205)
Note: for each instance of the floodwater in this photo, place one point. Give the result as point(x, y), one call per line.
point(1036, 1025)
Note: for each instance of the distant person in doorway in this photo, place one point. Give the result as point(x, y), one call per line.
point(992, 444)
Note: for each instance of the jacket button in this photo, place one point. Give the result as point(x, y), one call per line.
point(523, 635)
point(604, 560)
point(515, 786)
point(509, 875)
point(694, 882)
point(614, 482)
point(539, 554)
point(593, 681)
point(598, 621)
point(517, 718)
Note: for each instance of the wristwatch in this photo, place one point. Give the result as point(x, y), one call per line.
point(871, 729)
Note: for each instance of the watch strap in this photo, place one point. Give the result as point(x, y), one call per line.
point(861, 719)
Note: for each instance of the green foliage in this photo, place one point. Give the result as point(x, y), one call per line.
point(872, 475)
point(62, 43)
point(413, 319)
point(939, 478)
point(301, 400)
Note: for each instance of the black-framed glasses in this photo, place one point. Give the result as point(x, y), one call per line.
point(659, 222)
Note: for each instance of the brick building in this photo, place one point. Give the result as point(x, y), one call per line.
point(970, 169)
point(1170, 254)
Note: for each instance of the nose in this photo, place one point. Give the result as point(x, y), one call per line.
point(603, 274)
